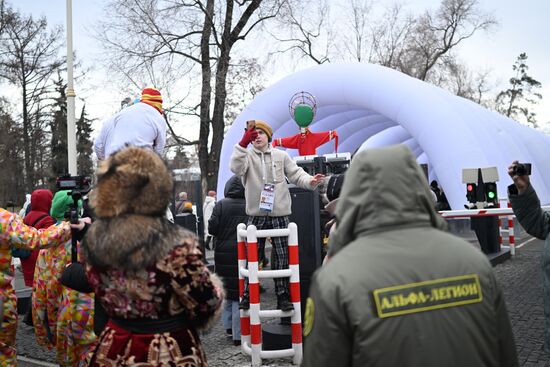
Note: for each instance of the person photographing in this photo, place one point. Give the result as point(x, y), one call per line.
point(264, 172)
point(526, 206)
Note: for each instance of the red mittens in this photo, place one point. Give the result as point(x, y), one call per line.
point(248, 137)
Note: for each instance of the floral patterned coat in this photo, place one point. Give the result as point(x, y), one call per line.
point(63, 318)
point(178, 284)
point(14, 233)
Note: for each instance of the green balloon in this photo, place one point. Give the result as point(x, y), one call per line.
point(303, 115)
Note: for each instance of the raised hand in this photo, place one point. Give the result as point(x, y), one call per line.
point(521, 182)
point(248, 137)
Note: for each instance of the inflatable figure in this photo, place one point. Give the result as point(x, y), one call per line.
point(302, 108)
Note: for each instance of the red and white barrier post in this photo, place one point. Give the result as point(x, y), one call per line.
point(251, 328)
point(500, 228)
point(296, 318)
point(241, 258)
point(511, 236)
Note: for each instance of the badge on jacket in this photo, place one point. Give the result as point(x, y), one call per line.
point(428, 295)
point(267, 197)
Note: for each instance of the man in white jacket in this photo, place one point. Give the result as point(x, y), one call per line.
point(263, 170)
point(141, 124)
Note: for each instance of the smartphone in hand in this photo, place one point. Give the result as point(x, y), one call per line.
point(250, 124)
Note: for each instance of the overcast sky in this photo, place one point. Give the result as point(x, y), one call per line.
point(524, 27)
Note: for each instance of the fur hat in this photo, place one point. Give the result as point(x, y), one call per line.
point(262, 125)
point(132, 181)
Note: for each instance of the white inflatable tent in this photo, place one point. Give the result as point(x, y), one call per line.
point(372, 106)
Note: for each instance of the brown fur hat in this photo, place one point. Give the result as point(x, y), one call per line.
point(132, 181)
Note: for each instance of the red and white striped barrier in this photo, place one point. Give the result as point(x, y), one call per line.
point(511, 237)
point(495, 212)
point(500, 228)
point(251, 327)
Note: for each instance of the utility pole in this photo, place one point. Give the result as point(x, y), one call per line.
point(71, 126)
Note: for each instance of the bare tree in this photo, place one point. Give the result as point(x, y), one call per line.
point(30, 57)
point(243, 84)
point(197, 37)
point(358, 33)
point(391, 36)
point(459, 79)
point(305, 35)
point(436, 35)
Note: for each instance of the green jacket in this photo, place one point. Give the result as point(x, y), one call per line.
point(61, 203)
point(536, 222)
point(398, 290)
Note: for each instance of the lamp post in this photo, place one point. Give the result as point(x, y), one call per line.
point(71, 128)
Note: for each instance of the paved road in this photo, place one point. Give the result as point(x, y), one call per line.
point(520, 278)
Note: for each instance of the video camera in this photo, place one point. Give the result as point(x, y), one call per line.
point(78, 186)
point(522, 169)
point(73, 183)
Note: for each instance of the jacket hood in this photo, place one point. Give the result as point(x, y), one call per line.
point(234, 188)
point(41, 200)
point(384, 188)
point(61, 203)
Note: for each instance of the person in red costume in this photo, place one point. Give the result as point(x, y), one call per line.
point(307, 141)
point(39, 218)
point(302, 110)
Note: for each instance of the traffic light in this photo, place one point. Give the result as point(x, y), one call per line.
point(491, 193)
point(471, 189)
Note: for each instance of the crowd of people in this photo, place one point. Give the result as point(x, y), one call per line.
point(395, 289)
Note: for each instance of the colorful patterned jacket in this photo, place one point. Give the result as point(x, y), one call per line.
point(14, 233)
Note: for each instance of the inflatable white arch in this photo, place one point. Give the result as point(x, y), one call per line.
point(372, 106)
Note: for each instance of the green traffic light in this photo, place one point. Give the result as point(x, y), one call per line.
point(491, 195)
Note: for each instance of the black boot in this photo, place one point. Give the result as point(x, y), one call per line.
point(244, 304)
point(283, 303)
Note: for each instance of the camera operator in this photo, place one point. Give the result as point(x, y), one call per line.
point(74, 275)
point(536, 222)
point(62, 316)
point(15, 234)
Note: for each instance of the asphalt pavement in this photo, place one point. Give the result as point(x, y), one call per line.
point(519, 277)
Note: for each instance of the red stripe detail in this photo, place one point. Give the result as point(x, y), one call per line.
point(296, 333)
point(254, 289)
point(255, 334)
point(293, 258)
point(512, 239)
point(241, 287)
point(294, 292)
point(241, 251)
point(253, 252)
point(245, 325)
